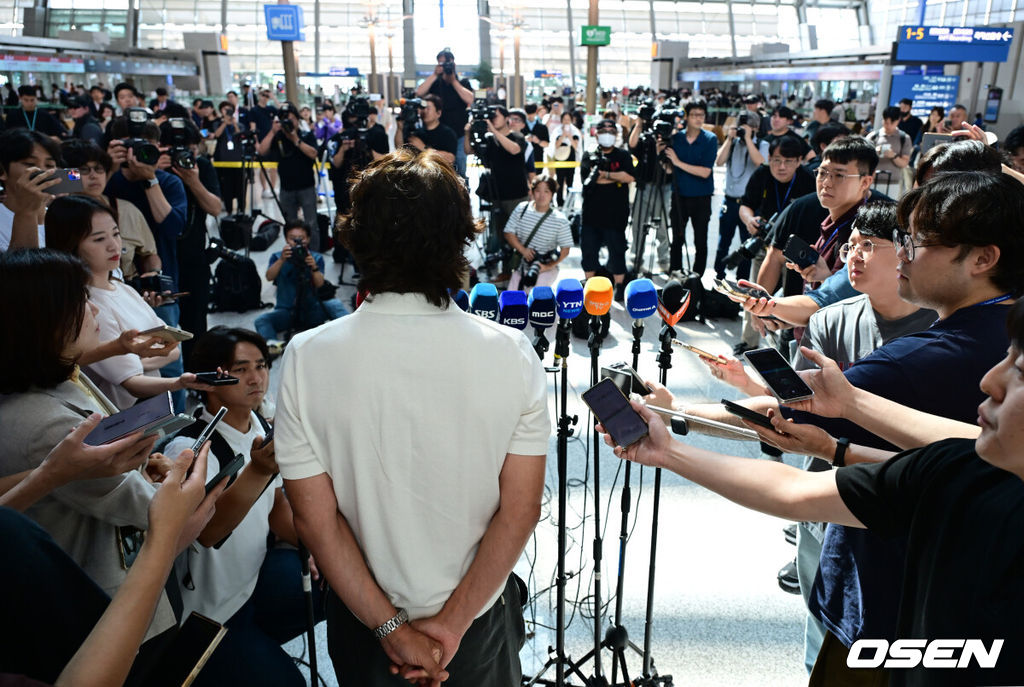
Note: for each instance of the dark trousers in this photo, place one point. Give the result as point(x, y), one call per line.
point(728, 224)
point(697, 210)
point(232, 189)
point(488, 655)
point(591, 240)
point(830, 670)
point(251, 653)
point(565, 178)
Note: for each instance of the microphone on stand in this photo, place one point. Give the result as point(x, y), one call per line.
point(569, 299)
point(673, 301)
point(597, 296)
point(641, 299)
point(512, 309)
point(483, 301)
point(541, 314)
point(461, 299)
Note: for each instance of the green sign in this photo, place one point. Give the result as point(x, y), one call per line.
point(595, 35)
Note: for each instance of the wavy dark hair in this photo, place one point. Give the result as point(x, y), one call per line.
point(44, 292)
point(69, 221)
point(409, 225)
point(876, 219)
point(958, 156)
point(972, 209)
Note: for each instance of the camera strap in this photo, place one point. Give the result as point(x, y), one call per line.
point(526, 243)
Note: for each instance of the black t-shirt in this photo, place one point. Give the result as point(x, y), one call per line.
point(440, 137)
point(607, 205)
point(911, 126)
point(192, 241)
point(538, 130)
point(766, 196)
point(355, 158)
point(963, 519)
point(229, 147)
point(454, 111)
point(38, 120)
point(770, 138)
point(294, 167)
point(508, 171)
point(263, 117)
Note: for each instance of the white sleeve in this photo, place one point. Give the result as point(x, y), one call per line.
point(295, 455)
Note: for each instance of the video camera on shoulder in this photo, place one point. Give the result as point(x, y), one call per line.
point(410, 113)
point(357, 109)
point(144, 151)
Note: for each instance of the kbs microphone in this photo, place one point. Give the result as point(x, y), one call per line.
point(597, 296)
point(483, 301)
point(461, 299)
point(673, 302)
point(641, 299)
point(541, 305)
point(568, 299)
point(513, 310)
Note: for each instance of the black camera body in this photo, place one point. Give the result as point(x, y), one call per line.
point(663, 130)
point(299, 253)
point(181, 154)
point(646, 110)
point(358, 109)
point(287, 125)
point(749, 249)
point(144, 151)
point(410, 113)
point(481, 112)
point(156, 283)
point(744, 120)
point(531, 269)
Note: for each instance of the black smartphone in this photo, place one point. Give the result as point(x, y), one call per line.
point(612, 410)
point(748, 414)
point(778, 375)
point(626, 378)
point(229, 471)
point(186, 653)
point(204, 435)
point(216, 379)
point(799, 252)
point(268, 438)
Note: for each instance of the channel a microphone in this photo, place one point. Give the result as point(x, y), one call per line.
point(641, 299)
point(568, 299)
point(483, 301)
point(673, 302)
point(597, 296)
point(541, 305)
point(461, 299)
point(512, 309)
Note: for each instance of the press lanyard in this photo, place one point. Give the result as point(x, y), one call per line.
point(782, 202)
point(32, 124)
point(993, 301)
point(828, 242)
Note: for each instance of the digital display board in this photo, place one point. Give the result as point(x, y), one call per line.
point(953, 44)
point(926, 90)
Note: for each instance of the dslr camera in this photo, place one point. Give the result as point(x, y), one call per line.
point(299, 253)
point(357, 108)
point(181, 154)
point(448, 66)
point(144, 151)
point(410, 113)
point(531, 270)
point(744, 120)
point(749, 249)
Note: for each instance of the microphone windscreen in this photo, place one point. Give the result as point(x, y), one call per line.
point(673, 302)
point(569, 298)
point(513, 309)
point(483, 301)
point(597, 295)
point(541, 304)
point(641, 298)
point(461, 299)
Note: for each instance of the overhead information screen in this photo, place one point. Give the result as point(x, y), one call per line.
point(953, 44)
point(926, 90)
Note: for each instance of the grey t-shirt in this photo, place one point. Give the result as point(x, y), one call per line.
point(848, 331)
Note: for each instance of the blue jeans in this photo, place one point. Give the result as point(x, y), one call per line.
point(251, 653)
point(460, 156)
point(268, 325)
point(728, 222)
point(171, 315)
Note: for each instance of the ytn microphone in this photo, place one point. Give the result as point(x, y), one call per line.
point(483, 301)
point(597, 296)
point(641, 299)
point(513, 310)
point(541, 305)
point(569, 299)
point(461, 299)
point(673, 302)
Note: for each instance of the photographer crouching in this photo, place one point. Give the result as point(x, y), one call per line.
point(540, 234)
point(298, 273)
point(296, 155)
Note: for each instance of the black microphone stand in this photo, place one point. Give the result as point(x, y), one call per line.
point(594, 344)
point(541, 343)
point(558, 658)
point(307, 588)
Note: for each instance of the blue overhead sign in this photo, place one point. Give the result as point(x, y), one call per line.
point(926, 90)
point(953, 44)
point(284, 22)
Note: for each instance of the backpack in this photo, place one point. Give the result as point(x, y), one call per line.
point(235, 231)
point(236, 285)
point(265, 235)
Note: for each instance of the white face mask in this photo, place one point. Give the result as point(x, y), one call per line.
point(606, 140)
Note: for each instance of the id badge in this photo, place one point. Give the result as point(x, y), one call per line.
point(231, 145)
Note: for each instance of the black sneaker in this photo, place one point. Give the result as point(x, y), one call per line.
point(789, 531)
point(788, 581)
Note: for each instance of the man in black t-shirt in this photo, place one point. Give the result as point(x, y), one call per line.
point(505, 158)
point(456, 96)
point(349, 150)
point(909, 124)
point(260, 119)
point(607, 174)
point(432, 133)
point(30, 117)
point(296, 155)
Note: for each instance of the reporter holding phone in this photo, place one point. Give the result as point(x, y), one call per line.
point(23, 153)
point(257, 593)
point(87, 229)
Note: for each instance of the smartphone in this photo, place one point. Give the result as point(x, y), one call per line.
point(216, 379)
point(153, 416)
point(268, 438)
point(612, 410)
point(626, 378)
point(168, 333)
point(778, 375)
point(929, 141)
point(748, 414)
point(70, 181)
point(208, 430)
point(726, 286)
point(799, 252)
point(701, 352)
point(229, 471)
point(187, 652)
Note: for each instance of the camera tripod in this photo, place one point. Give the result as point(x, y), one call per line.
point(650, 214)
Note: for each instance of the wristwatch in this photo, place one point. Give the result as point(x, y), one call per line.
point(150, 183)
point(839, 459)
point(399, 619)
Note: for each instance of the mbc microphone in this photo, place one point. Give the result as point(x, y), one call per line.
point(483, 301)
point(513, 310)
point(569, 299)
point(541, 305)
point(461, 299)
point(641, 298)
point(673, 302)
point(597, 296)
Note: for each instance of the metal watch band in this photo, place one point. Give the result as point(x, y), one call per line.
point(391, 625)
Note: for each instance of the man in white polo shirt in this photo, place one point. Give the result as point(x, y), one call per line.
point(412, 438)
